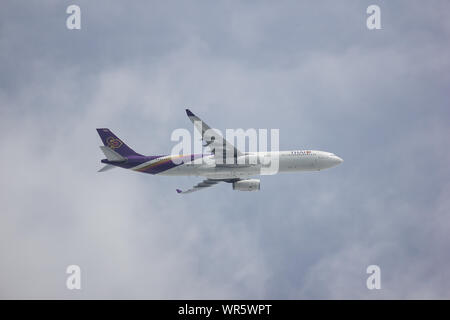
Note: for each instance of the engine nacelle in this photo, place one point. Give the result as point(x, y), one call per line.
point(247, 185)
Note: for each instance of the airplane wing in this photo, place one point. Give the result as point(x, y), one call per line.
point(200, 186)
point(218, 145)
point(206, 184)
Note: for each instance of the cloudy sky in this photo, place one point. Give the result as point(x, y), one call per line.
point(379, 99)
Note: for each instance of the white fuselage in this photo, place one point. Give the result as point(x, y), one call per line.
point(258, 163)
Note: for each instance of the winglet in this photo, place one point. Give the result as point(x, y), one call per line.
point(179, 191)
point(189, 113)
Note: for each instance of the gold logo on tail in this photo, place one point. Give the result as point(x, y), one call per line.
point(113, 143)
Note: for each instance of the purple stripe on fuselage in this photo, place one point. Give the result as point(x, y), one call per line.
point(132, 161)
point(166, 164)
point(155, 167)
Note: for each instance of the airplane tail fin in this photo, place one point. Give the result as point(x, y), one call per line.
point(114, 147)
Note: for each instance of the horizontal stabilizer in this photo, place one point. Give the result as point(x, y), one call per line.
point(111, 155)
point(106, 168)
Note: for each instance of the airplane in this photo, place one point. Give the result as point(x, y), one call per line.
point(214, 166)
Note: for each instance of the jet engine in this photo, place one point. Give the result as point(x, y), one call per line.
point(247, 185)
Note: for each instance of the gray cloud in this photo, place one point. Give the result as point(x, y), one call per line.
point(377, 98)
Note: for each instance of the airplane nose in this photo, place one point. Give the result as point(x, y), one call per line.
point(328, 161)
point(335, 160)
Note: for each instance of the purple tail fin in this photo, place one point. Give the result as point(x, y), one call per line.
point(110, 140)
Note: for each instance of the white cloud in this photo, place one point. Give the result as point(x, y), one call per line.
point(382, 106)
